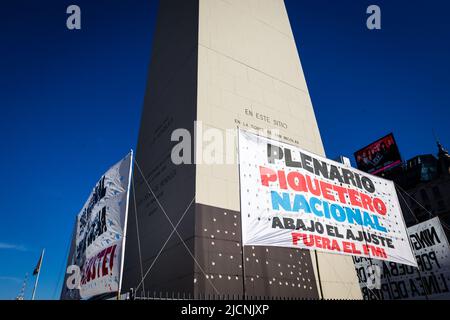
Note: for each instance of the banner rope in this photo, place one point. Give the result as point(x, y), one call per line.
point(137, 233)
point(410, 210)
point(418, 269)
point(66, 257)
point(174, 230)
point(428, 211)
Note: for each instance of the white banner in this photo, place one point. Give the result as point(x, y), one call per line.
point(95, 265)
point(293, 198)
point(396, 281)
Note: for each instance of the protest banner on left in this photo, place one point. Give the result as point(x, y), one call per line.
point(95, 257)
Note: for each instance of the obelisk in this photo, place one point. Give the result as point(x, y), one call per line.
point(224, 64)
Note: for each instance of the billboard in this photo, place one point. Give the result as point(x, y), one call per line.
point(431, 280)
point(379, 156)
point(293, 198)
point(95, 258)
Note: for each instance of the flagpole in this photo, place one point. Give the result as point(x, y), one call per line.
point(37, 276)
point(125, 224)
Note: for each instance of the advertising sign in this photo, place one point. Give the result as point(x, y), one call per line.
point(293, 198)
point(397, 281)
point(379, 156)
point(94, 263)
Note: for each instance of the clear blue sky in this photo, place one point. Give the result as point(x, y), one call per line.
point(71, 101)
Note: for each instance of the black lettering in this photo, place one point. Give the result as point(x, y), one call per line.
point(307, 163)
point(274, 152)
point(289, 161)
point(348, 177)
point(320, 168)
point(335, 174)
point(288, 223)
point(368, 184)
point(276, 223)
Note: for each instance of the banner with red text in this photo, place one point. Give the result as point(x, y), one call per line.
point(94, 263)
point(294, 198)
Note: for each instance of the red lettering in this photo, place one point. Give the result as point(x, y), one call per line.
point(99, 266)
point(297, 182)
point(92, 270)
point(326, 191)
point(267, 175)
point(341, 191)
point(366, 202)
point(354, 197)
point(350, 247)
point(105, 255)
point(315, 190)
point(373, 251)
point(111, 258)
point(308, 242)
point(335, 246)
point(282, 180)
point(295, 237)
point(98, 262)
point(380, 207)
point(315, 241)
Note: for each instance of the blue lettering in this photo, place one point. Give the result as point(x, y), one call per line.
point(353, 216)
point(300, 203)
point(314, 202)
point(337, 212)
point(277, 201)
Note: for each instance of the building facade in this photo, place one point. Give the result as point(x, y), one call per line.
point(426, 179)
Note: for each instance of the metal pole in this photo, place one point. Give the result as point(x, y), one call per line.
point(243, 272)
point(37, 277)
point(240, 207)
point(318, 274)
point(125, 225)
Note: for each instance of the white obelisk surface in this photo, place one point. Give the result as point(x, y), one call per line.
point(250, 75)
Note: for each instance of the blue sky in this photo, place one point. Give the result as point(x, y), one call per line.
point(71, 102)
